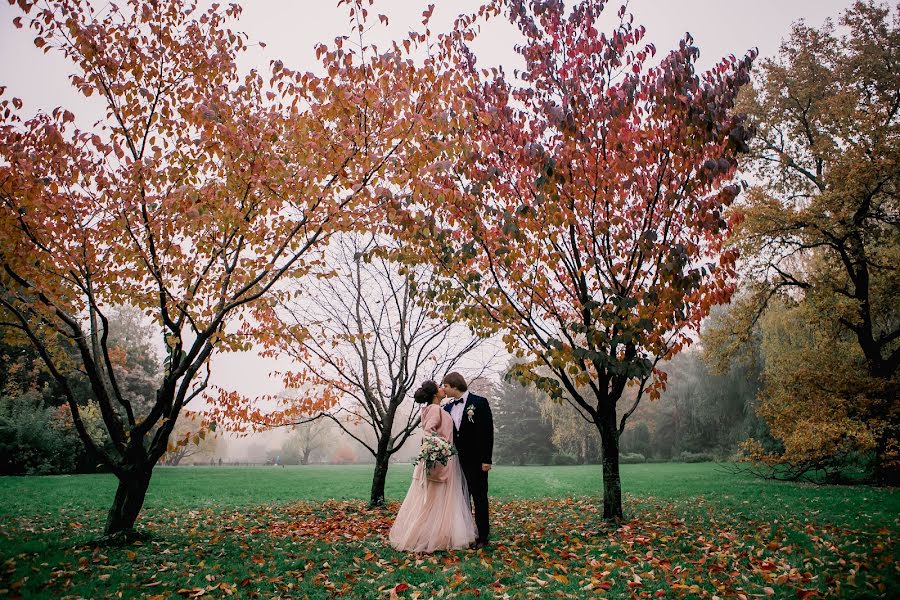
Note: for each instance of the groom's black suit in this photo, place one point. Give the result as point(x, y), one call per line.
point(474, 440)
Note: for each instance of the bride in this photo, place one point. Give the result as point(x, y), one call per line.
point(435, 514)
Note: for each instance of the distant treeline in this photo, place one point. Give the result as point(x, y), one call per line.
point(702, 416)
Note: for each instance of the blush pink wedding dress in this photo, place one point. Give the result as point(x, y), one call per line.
point(435, 515)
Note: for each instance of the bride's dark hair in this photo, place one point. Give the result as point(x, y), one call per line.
point(426, 392)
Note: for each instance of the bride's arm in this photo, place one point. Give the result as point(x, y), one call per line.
point(431, 418)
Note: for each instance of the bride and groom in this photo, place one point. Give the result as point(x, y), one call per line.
point(436, 513)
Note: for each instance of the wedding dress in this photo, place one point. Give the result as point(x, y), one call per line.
point(435, 515)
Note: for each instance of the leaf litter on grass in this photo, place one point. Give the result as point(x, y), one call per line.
point(541, 549)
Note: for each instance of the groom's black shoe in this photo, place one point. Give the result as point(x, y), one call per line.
point(480, 544)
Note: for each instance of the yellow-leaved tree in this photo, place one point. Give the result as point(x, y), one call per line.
point(821, 241)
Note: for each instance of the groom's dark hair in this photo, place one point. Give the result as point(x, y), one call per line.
point(455, 380)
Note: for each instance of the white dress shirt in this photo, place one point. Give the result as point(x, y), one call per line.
point(456, 412)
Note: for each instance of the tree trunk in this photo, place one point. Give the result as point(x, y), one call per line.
point(381, 469)
point(128, 501)
point(612, 485)
point(383, 453)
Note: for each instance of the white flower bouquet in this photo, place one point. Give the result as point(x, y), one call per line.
point(435, 450)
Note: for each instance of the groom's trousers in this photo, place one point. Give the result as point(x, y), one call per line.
point(477, 481)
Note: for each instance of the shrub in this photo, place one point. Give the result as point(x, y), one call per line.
point(563, 459)
point(31, 438)
point(695, 457)
point(631, 458)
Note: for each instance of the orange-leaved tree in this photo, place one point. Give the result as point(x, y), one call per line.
point(197, 192)
point(587, 207)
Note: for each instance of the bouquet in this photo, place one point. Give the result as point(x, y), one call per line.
point(435, 450)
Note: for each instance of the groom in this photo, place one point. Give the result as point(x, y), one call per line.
point(473, 435)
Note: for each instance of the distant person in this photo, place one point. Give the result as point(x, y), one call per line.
point(435, 515)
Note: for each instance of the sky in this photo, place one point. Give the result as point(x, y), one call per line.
point(291, 28)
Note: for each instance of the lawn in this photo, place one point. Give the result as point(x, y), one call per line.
point(690, 531)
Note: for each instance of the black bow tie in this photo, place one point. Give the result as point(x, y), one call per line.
point(454, 403)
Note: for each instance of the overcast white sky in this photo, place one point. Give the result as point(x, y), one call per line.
point(290, 28)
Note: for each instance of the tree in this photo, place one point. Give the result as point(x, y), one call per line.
point(572, 434)
point(816, 398)
point(708, 411)
point(822, 227)
point(21, 368)
point(523, 436)
point(303, 441)
point(24, 376)
point(199, 190)
point(585, 212)
point(137, 363)
point(637, 439)
point(191, 438)
point(33, 439)
point(360, 332)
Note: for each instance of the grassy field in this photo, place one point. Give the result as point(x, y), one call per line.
point(691, 531)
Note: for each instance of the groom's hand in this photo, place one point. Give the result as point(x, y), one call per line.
point(485, 467)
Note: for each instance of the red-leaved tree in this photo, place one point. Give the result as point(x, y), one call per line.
point(585, 213)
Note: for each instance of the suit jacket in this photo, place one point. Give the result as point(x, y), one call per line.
point(474, 439)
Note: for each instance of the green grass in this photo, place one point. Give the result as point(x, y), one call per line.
point(692, 530)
